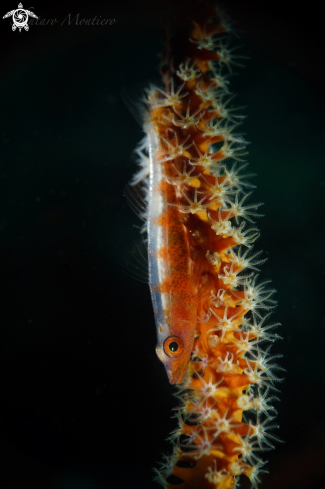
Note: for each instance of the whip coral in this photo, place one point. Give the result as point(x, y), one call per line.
point(209, 304)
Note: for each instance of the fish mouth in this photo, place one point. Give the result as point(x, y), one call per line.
point(176, 377)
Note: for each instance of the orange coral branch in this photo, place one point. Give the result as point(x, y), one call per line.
point(208, 303)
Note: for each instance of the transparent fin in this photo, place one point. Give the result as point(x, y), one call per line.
point(135, 196)
point(133, 261)
point(134, 98)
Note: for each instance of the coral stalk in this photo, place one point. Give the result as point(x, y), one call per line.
point(209, 304)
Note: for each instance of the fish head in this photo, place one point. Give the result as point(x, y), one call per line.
point(175, 343)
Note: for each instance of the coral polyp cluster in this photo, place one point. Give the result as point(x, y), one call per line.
point(225, 418)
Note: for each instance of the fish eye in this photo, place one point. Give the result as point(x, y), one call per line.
point(173, 346)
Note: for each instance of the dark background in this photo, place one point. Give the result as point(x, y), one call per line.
point(84, 402)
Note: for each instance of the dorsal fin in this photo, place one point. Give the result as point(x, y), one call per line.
point(134, 98)
point(135, 196)
point(134, 261)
